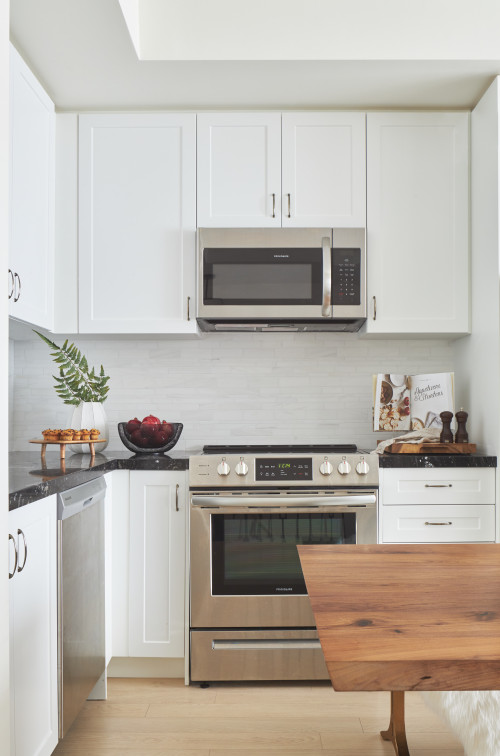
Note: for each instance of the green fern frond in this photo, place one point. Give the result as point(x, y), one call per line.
point(76, 382)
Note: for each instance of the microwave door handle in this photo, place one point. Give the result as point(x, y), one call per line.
point(326, 310)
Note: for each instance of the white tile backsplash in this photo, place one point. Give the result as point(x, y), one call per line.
point(268, 388)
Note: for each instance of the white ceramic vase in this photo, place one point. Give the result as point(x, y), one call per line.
point(89, 415)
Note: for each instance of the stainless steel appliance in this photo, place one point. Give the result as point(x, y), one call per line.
point(250, 616)
point(305, 279)
point(81, 630)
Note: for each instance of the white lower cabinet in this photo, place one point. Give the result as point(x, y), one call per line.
point(33, 628)
point(437, 505)
point(157, 553)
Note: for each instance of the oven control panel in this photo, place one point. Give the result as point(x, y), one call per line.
point(283, 468)
point(287, 470)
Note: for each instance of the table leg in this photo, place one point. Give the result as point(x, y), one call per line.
point(92, 450)
point(44, 449)
point(396, 732)
point(62, 448)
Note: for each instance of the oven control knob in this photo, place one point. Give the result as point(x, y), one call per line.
point(326, 467)
point(362, 467)
point(241, 468)
point(223, 468)
point(344, 467)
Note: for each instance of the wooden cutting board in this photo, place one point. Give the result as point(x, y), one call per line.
point(428, 448)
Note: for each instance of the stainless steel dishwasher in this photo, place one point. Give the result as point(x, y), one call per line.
point(81, 626)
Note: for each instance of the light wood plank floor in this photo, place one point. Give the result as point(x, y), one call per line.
point(163, 717)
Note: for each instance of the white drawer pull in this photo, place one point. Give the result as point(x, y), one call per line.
point(438, 485)
point(438, 523)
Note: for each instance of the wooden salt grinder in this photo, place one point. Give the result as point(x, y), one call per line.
point(461, 436)
point(446, 436)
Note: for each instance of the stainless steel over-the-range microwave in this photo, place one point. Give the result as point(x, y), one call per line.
point(300, 279)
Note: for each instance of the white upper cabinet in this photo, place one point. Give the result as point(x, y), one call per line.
point(267, 169)
point(137, 223)
point(239, 170)
point(418, 223)
point(31, 255)
point(323, 170)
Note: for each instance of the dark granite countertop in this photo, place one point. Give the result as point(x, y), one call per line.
point(436, 460)
point(29, 480)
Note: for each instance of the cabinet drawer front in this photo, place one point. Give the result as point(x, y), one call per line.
point(438, 486)
point(435, 524)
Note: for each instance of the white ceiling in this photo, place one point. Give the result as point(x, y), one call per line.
point(82, 52)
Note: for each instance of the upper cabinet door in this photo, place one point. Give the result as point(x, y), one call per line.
point(324, 170)
point(417, 223)
point(239, 169)
point(137, 223)
point(32, 162)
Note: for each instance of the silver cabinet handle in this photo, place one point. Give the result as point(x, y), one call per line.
point(177, 497)
point(438, 485)
point(264, 645)
point(188, 303)
point(11, 574)
point(274, 205)
point(20, 567)
point(19, 287)
point(288, 205)
point(326, 309)
point(12, 284)
point(374, 308)
point(438, 523)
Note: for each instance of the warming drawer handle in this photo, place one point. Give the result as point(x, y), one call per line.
point(264, 645)
point(326, 310)
point(438, 485)
point(438, 523)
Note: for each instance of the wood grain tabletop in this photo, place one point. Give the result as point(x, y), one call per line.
point(405, 617)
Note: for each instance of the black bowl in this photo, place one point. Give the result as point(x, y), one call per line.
point(150, 449)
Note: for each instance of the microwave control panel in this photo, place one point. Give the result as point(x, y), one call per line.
point(346, 276)
point(276, 468)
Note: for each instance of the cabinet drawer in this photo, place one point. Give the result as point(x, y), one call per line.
point(438, 524)
point(469, 485)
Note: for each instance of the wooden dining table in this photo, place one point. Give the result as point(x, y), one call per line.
point(406, 617)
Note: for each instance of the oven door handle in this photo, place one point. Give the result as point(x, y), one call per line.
point(309, 502)
point(263, 645)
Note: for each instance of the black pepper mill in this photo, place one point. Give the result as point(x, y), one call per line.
point(461, 436)
point(446, 436)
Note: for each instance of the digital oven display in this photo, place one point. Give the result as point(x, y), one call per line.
point(277, 468)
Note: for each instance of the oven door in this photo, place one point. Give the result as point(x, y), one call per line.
point(245, 569)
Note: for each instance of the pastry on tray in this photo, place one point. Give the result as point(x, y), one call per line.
point(94, 434)
point(85, 434)
point(67, 434)
point(51, 434)
point(77, 435)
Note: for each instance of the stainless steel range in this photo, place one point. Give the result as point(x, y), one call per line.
point(250, 617)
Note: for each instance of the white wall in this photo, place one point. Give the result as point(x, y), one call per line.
point(4, 203)
point(230, 388)
point(478, 357)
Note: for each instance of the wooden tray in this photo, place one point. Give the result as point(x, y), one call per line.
point(62, 445)
point(428, 448)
